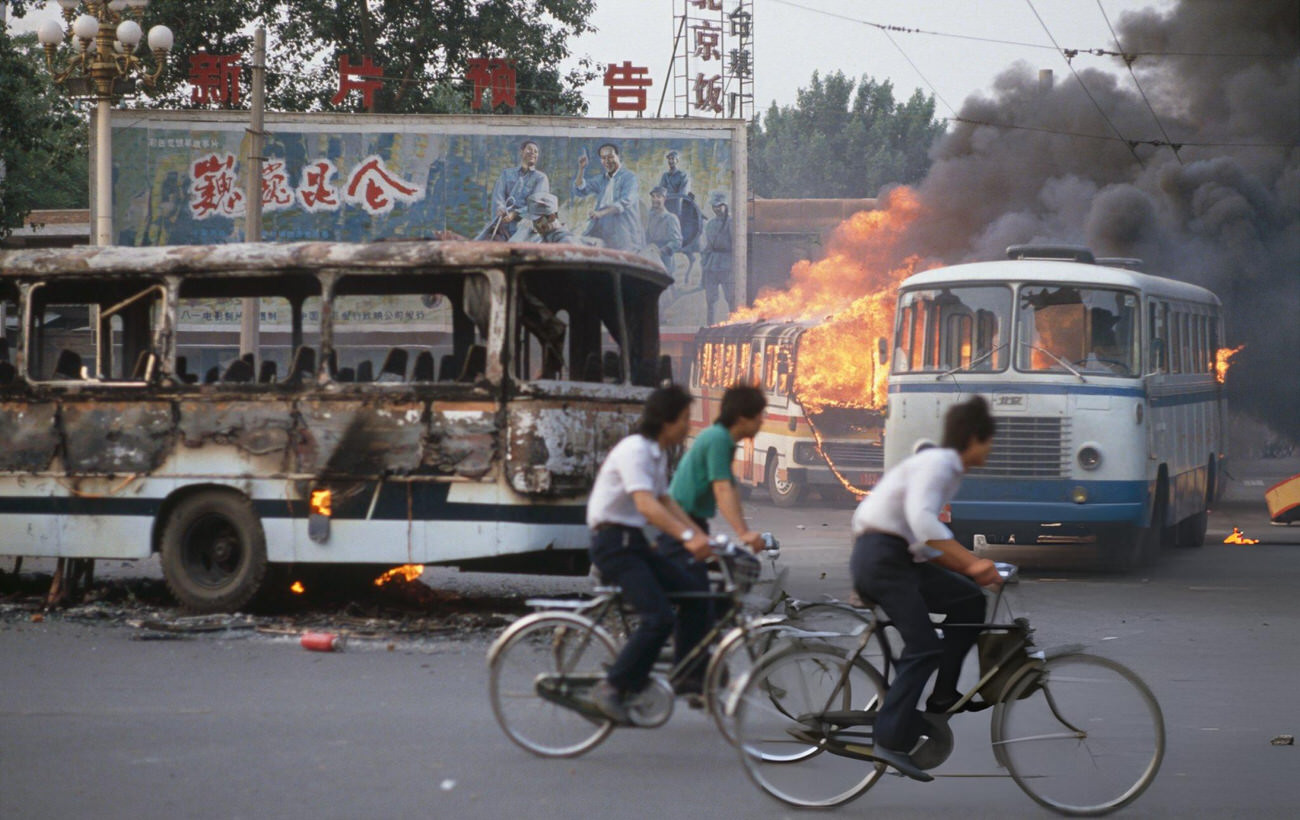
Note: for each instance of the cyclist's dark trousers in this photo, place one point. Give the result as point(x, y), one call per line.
point(883, 571)
point(712, 609)
point(625, 559)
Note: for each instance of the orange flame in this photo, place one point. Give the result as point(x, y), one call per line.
point(1222, 357)
point(297, 588)
point(851, 292)
point(1237, 538)
point(407, 572)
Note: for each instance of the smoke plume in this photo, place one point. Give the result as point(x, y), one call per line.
point(1223, 211)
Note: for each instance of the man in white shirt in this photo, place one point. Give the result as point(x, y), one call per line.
point(631, 491)
point(907, 561)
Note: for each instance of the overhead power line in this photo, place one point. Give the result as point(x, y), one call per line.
point(1111, 138)
point(1129, 64)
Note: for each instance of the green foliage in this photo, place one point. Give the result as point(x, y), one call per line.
point(43, 139)
point(423, 47)
point(833, 143)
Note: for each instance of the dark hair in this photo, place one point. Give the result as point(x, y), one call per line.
point(527, 143)
point(605, 145)
point(741, 401)
point(664, 406)
point(969, 420)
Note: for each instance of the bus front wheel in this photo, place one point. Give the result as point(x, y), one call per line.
point(214, 552)
point(784, 492)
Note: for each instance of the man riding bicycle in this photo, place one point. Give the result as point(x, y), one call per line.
point(631, 491)
point(906, 561)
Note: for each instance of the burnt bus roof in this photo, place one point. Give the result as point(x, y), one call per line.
point(353, 257)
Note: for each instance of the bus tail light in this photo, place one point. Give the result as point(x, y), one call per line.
point(318, 522)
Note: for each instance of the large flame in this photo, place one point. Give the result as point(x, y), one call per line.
point(851, 293)
point(407, 572)
point(1222, 358)
point(1236, 537)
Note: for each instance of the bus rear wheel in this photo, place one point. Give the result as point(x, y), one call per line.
point(785, 493)
point(1191, 531)
point(214, 552)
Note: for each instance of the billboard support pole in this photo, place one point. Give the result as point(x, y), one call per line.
point(248, 323)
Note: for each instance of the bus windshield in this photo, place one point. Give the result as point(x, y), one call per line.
point(1065, 329)
point(955, 327)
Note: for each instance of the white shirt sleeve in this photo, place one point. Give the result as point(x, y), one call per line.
point(639, 472)
point(927, 493)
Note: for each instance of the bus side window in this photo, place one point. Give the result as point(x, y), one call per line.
point(1159, 337)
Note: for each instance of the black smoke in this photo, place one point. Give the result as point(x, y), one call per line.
point(1222, 212)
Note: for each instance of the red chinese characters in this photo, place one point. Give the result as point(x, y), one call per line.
point(315, 191)
point(627, 84)
point(276, 193)
point(376, 189)
point(707, 5)
point(215, 78)
point(495, 75)
point(357, 78)
point(708, 93)
point(708, 38)
point(213, 189)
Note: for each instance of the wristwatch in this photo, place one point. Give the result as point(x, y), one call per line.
point(687, 534)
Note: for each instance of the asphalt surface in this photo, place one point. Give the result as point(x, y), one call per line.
point(101, 717)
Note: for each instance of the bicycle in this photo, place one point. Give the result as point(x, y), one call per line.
point(542, 668)
point(1078, 733)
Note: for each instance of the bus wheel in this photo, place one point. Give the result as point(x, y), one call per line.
point(785, 493)
point(214, 552)
point(1191, 531)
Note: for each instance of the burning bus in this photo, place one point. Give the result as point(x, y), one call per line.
point(808, 440)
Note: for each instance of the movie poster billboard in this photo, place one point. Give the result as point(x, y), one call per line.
point(670, 191)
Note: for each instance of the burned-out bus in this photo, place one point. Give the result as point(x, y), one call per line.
point(403, 403)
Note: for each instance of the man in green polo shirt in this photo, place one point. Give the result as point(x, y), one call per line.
point(703, 485)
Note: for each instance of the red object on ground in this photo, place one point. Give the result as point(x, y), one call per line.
point(322, 642)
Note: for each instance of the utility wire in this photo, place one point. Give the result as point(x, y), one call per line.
point(1110, 138)
point(1129, 64)
point(1072, 52)
point(1131, 147)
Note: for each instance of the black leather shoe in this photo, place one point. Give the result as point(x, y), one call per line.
point(609, 701)
point(933, 707)
point(903, 762)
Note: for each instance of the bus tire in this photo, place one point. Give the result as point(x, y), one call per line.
point(214, 552)
point(784, 493)
point(1191, 530)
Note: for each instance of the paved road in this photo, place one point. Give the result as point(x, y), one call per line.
point(95, 723)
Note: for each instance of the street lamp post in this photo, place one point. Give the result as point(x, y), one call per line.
point(103, 67)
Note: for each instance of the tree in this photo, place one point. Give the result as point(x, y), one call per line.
point(43, 138)
point(836, 144)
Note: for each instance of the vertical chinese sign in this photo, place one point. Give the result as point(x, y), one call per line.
point(713, 72)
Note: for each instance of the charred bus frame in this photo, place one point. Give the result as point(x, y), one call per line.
point(116, 451)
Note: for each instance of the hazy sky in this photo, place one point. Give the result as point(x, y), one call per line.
point(792, 41)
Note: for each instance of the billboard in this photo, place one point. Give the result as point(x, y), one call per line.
point(178, 178)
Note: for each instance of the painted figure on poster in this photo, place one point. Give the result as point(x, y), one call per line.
point(544, 213)
point(663, 231)
point(716, 264)
point(511, 194)
point(675, 182)
point(616, 219)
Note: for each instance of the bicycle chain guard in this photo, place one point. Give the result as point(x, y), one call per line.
point(653, 705)
point(938, 743)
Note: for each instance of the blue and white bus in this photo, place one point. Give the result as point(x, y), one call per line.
point(1102, 380)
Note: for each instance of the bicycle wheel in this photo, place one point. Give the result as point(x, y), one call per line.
point(740, 649)
point(1082, 735)
point(540, 671)
point(795, 739)
point(831, 616)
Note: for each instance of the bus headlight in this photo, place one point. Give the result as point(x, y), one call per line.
point(1078, 495)
point(805, 452)
point(1089, 457)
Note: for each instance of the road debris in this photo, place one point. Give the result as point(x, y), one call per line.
point(1283, 740)
point(323, 642)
